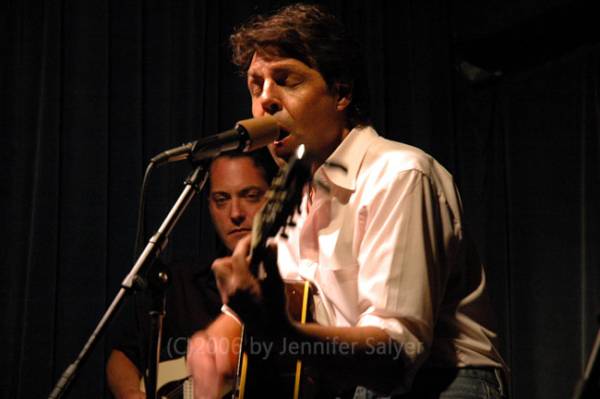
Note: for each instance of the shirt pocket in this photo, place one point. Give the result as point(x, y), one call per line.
point(340, 285)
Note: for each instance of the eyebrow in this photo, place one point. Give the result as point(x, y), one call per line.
point(242, 190)
point(283, 66)
point(250, 188)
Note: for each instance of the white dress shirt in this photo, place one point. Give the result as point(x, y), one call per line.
point(385, 247)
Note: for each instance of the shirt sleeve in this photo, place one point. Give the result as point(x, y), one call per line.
point(408, 237)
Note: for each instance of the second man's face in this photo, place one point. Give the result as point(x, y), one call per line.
point(301, 102)
point(237, 189)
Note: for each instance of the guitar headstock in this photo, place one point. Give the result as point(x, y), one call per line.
point(282, 201)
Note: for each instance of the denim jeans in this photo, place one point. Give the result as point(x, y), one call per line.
point(464, 383)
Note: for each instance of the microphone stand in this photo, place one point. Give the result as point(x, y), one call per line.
point(156, 244)
point(588, 386)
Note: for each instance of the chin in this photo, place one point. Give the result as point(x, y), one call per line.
point(280, 157)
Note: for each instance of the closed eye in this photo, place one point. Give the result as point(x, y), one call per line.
point(254, 89)
point(288, 80)
point(255, 84)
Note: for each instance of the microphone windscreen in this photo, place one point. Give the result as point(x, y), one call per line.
point(262, 131)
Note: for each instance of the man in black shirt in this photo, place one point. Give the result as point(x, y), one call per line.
point(238, 182)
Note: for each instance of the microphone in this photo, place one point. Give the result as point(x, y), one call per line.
point(247, 135)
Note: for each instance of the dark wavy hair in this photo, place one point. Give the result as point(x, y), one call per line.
point(261, 158)
point(309, 34)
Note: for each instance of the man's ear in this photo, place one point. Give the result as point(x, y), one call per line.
point(344, 95)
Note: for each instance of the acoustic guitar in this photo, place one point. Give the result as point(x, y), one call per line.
point(174, 381)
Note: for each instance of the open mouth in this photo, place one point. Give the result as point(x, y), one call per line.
point(283, 133)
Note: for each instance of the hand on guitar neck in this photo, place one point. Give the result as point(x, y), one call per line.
point(260, 304)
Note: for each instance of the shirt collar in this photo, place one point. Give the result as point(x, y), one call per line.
point(349, 155)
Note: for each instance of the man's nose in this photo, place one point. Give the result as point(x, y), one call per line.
point(269, 98)
point(237, 212)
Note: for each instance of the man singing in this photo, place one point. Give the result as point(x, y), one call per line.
point(380, 235)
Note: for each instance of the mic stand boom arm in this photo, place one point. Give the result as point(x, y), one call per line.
point(193, 184)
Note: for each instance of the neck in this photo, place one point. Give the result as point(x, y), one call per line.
point(316, 163)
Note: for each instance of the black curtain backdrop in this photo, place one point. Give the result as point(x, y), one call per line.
point(91, 90)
